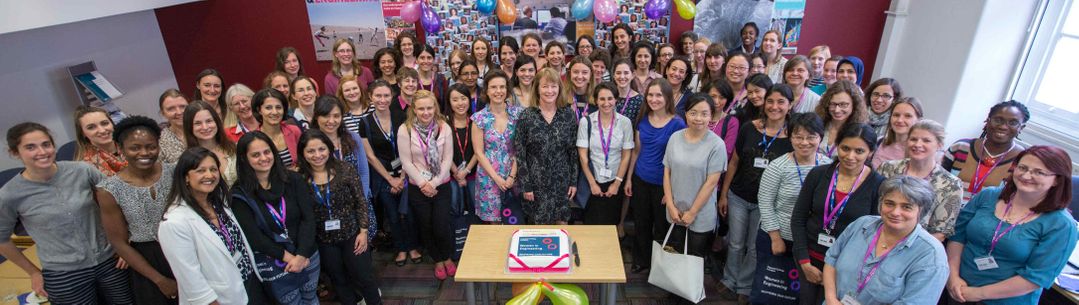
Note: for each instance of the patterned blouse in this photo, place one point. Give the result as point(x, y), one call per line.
point(171, 145)
point(547, 162)
point(234, 241)
point(946, 186)
point(142, 206)
point(630, 107)
point(108, 164)
point(347, 205)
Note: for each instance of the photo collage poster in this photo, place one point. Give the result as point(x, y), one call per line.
point(391, 11)
point(461, 24)
point(552, 20)
point(343, 19)
point(631, 13)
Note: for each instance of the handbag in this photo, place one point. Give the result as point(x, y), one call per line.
point(512, 210)
point(776, 278)
point(461, 217)
point(679, 273)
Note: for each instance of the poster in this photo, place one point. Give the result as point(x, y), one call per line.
point(631, 12)
point(461, 24)
point(551, 19)
point(788, 19)
point(391, 12)
point(334, 19)
point(722, 20)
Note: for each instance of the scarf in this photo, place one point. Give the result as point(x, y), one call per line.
point(428, 136)
point(879, 120)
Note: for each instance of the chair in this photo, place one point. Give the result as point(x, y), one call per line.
point(6, 175)
point(66, 152)
point(1073, 207)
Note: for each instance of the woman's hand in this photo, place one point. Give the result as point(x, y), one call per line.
point(688, 217)
point(572, 192)
point(675, 214)
point(396, 185)
point(361, 243)
point(813, 275)
point(596, 190)
point(460, 176)
point(628, 189)
point(37, 284)
point(298, 263)
point(972, 294)
point(121, 263)
point(612, 190)
point(956, 287)
point(722, 205)
point(429, 190)
point(778, 246)
point(167, 287)
point(529, 196)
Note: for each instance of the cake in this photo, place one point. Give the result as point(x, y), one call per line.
point(539, 251)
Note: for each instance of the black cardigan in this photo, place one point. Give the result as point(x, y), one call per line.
point(808, 215)
point(300, 218)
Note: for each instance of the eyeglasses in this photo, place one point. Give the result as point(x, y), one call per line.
point(738, 68)
point(1023, 169)
point(883, 96)
point(806, 139)
point(1001, 121)
point(839, 105)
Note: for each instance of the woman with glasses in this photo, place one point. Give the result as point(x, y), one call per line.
point(882, 93)
point(842, 105)
point(344, 64)
point(987, 160)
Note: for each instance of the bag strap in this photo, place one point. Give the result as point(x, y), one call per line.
point(685, 244)
point(723, 129)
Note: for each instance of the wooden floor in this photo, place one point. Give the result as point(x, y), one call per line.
point(13, 281)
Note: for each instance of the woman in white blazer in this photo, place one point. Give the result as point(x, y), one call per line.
point(204, 245)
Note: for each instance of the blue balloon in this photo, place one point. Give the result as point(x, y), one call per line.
point(485, 7)
point(582, 9)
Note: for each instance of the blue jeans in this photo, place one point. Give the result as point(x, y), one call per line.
point(745, 220)
point(286, 292)
point(401, 225)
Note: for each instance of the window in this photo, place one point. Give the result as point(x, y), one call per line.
point(1046, 74)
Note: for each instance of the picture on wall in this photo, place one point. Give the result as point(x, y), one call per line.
point(631, 13)
point(788, 18)
point(551, 19)
point(391, 12)
point(722, 20)
point(461, 24)
point(346, 19)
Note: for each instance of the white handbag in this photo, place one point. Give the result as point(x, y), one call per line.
point(680, 274)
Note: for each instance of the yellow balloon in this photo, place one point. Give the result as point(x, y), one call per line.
point(506, 11)
point(686, 9)
point(566, 294)
point(530, 296)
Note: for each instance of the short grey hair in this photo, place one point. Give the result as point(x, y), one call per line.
point(916, 190)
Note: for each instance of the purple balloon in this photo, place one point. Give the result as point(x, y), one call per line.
point(430, 20)
point(411, 12)
point(655, 9)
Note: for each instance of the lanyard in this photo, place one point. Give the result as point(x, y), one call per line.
point(872, 246)
point(800, 99)
point(738, 97)
point(605, 144)
point(976, 181)
point(475, 100)
point(768, 143)
point(324, 199)
point(426, 141)
point(279, 214)
point(576, 111)
point(468, 134)
point(997, 235)
point(225, 233)
point(816, 161)
point(388, 134)
point(831, 209)
point(625, 103)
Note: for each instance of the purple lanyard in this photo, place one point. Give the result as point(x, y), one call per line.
point(997, 235)
point(475, 100)
point(279, 217)
point(625, 103)
point(225, 232)
point(606, 145)
point(873, 245)
point(831, 209)
point(577, 112)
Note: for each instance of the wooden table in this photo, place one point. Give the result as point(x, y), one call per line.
point(1071, 296)
point(13, 280)
point(484, 260)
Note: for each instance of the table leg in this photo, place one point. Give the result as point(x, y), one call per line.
point(470, 293)
point(485, 290)
point(611, 293)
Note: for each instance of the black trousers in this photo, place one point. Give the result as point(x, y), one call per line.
point(433, 218)
point(649, 219)
point(349, 272)
point(603, 210)
point(145, 291)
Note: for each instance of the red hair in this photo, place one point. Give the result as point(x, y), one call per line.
point(1058, 162)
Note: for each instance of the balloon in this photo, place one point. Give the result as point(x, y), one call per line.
point(530, 296)
point(485, 7)
point(507, 11)
point(655, 9)
point(582, 9)
point(411, 12)
point(686, 9)
point(430, 20)
point(606, 10)
point(565, 294)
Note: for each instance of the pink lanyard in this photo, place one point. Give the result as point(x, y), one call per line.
point(997, 235)
point(873, 245)
point(800, 98)
point(279, 217)
point(831, 209)
point(606, 145)
point(625, 103)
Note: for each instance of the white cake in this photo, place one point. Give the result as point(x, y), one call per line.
point(539, 251)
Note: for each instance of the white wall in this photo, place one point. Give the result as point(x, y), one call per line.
point(24, 15)
point(128, 49)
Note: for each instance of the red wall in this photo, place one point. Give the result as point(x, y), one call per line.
point(240, 37)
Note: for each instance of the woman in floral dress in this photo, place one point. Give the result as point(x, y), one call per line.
point(492, 131)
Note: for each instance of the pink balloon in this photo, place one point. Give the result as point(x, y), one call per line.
point(605, 10)
point(411, 12)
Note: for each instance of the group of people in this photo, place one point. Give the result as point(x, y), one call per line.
point(244, 197)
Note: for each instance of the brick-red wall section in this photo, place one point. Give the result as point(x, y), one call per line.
point(240, 37)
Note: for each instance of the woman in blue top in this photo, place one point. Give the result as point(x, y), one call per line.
point(656, 125)
point(991, 266)
point(888, 259)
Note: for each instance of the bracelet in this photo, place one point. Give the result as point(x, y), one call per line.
point(618, 178)
point(803, 262)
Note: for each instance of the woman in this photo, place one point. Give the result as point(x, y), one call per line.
point(531, 45)
point(1032, 202)
point(171, 105)
point(759, 142)
point(345, 64)
point(687, 39)
point(94, 140)
point(882, 93)
point(130, 204)
point(621, 40)
point(277, 80)
point(692, 165)
point(348, 149)
point(748, 33)
point(926, 138)
point(842, 105)
point(426, 155)
point(408, 80)
point(357, 104)
point(664, 53)
point(378, 132)
point(818, 55)
point(736, 71)
point(302, 100)
point(655, 125)
point(507, 54)
point(771, 45)
point(464, 155)
point(678, 73)
point(286, 254)
point(77, 264)
point(796, 75)
point(696, 60)
point(722, 124)
point(556, 56)
point(600, 61)
point(643, 56)
point(389, 62)
point(288, 61)
point(585, 46)
point(468, 74)
point(711, 68)
point(341, 219)
point(208, 86)
point(629, 101)
point(481, 54)
point(757, 87)
point(201, 129)
point(525, 68)
point(893, 146)
point(833, 197)
point(888, 259)
point(204, 244)
point(493, 128)
point(604, 157)
point(987, 160)
point(828, 74)
point(429, 79)
point(455, 59)
point(850, 69)
point(271, 107)
point(241, 117)
point(405, 45)
point(545, 152)
point(580, 83)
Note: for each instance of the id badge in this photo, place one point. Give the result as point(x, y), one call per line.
point(849, 299)
point(395, 164)
point(461, 167)
point(760, 162)
point(825, 240)
point(603, 173)
point(333, 224)
point(986, 263)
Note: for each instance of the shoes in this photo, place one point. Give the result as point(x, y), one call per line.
point(451, 268)
point(726, 293)
point(637, 269)
point(416, 260)
point(401, 262)
point(440, 272)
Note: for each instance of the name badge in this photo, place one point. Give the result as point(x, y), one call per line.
point(426, 175)
point(395, 164)
point(849, 299)
point(986, 263)
point(461, 167)
point(825, 240)
point(603, 173)
point(333, 224)
point(760, 162)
